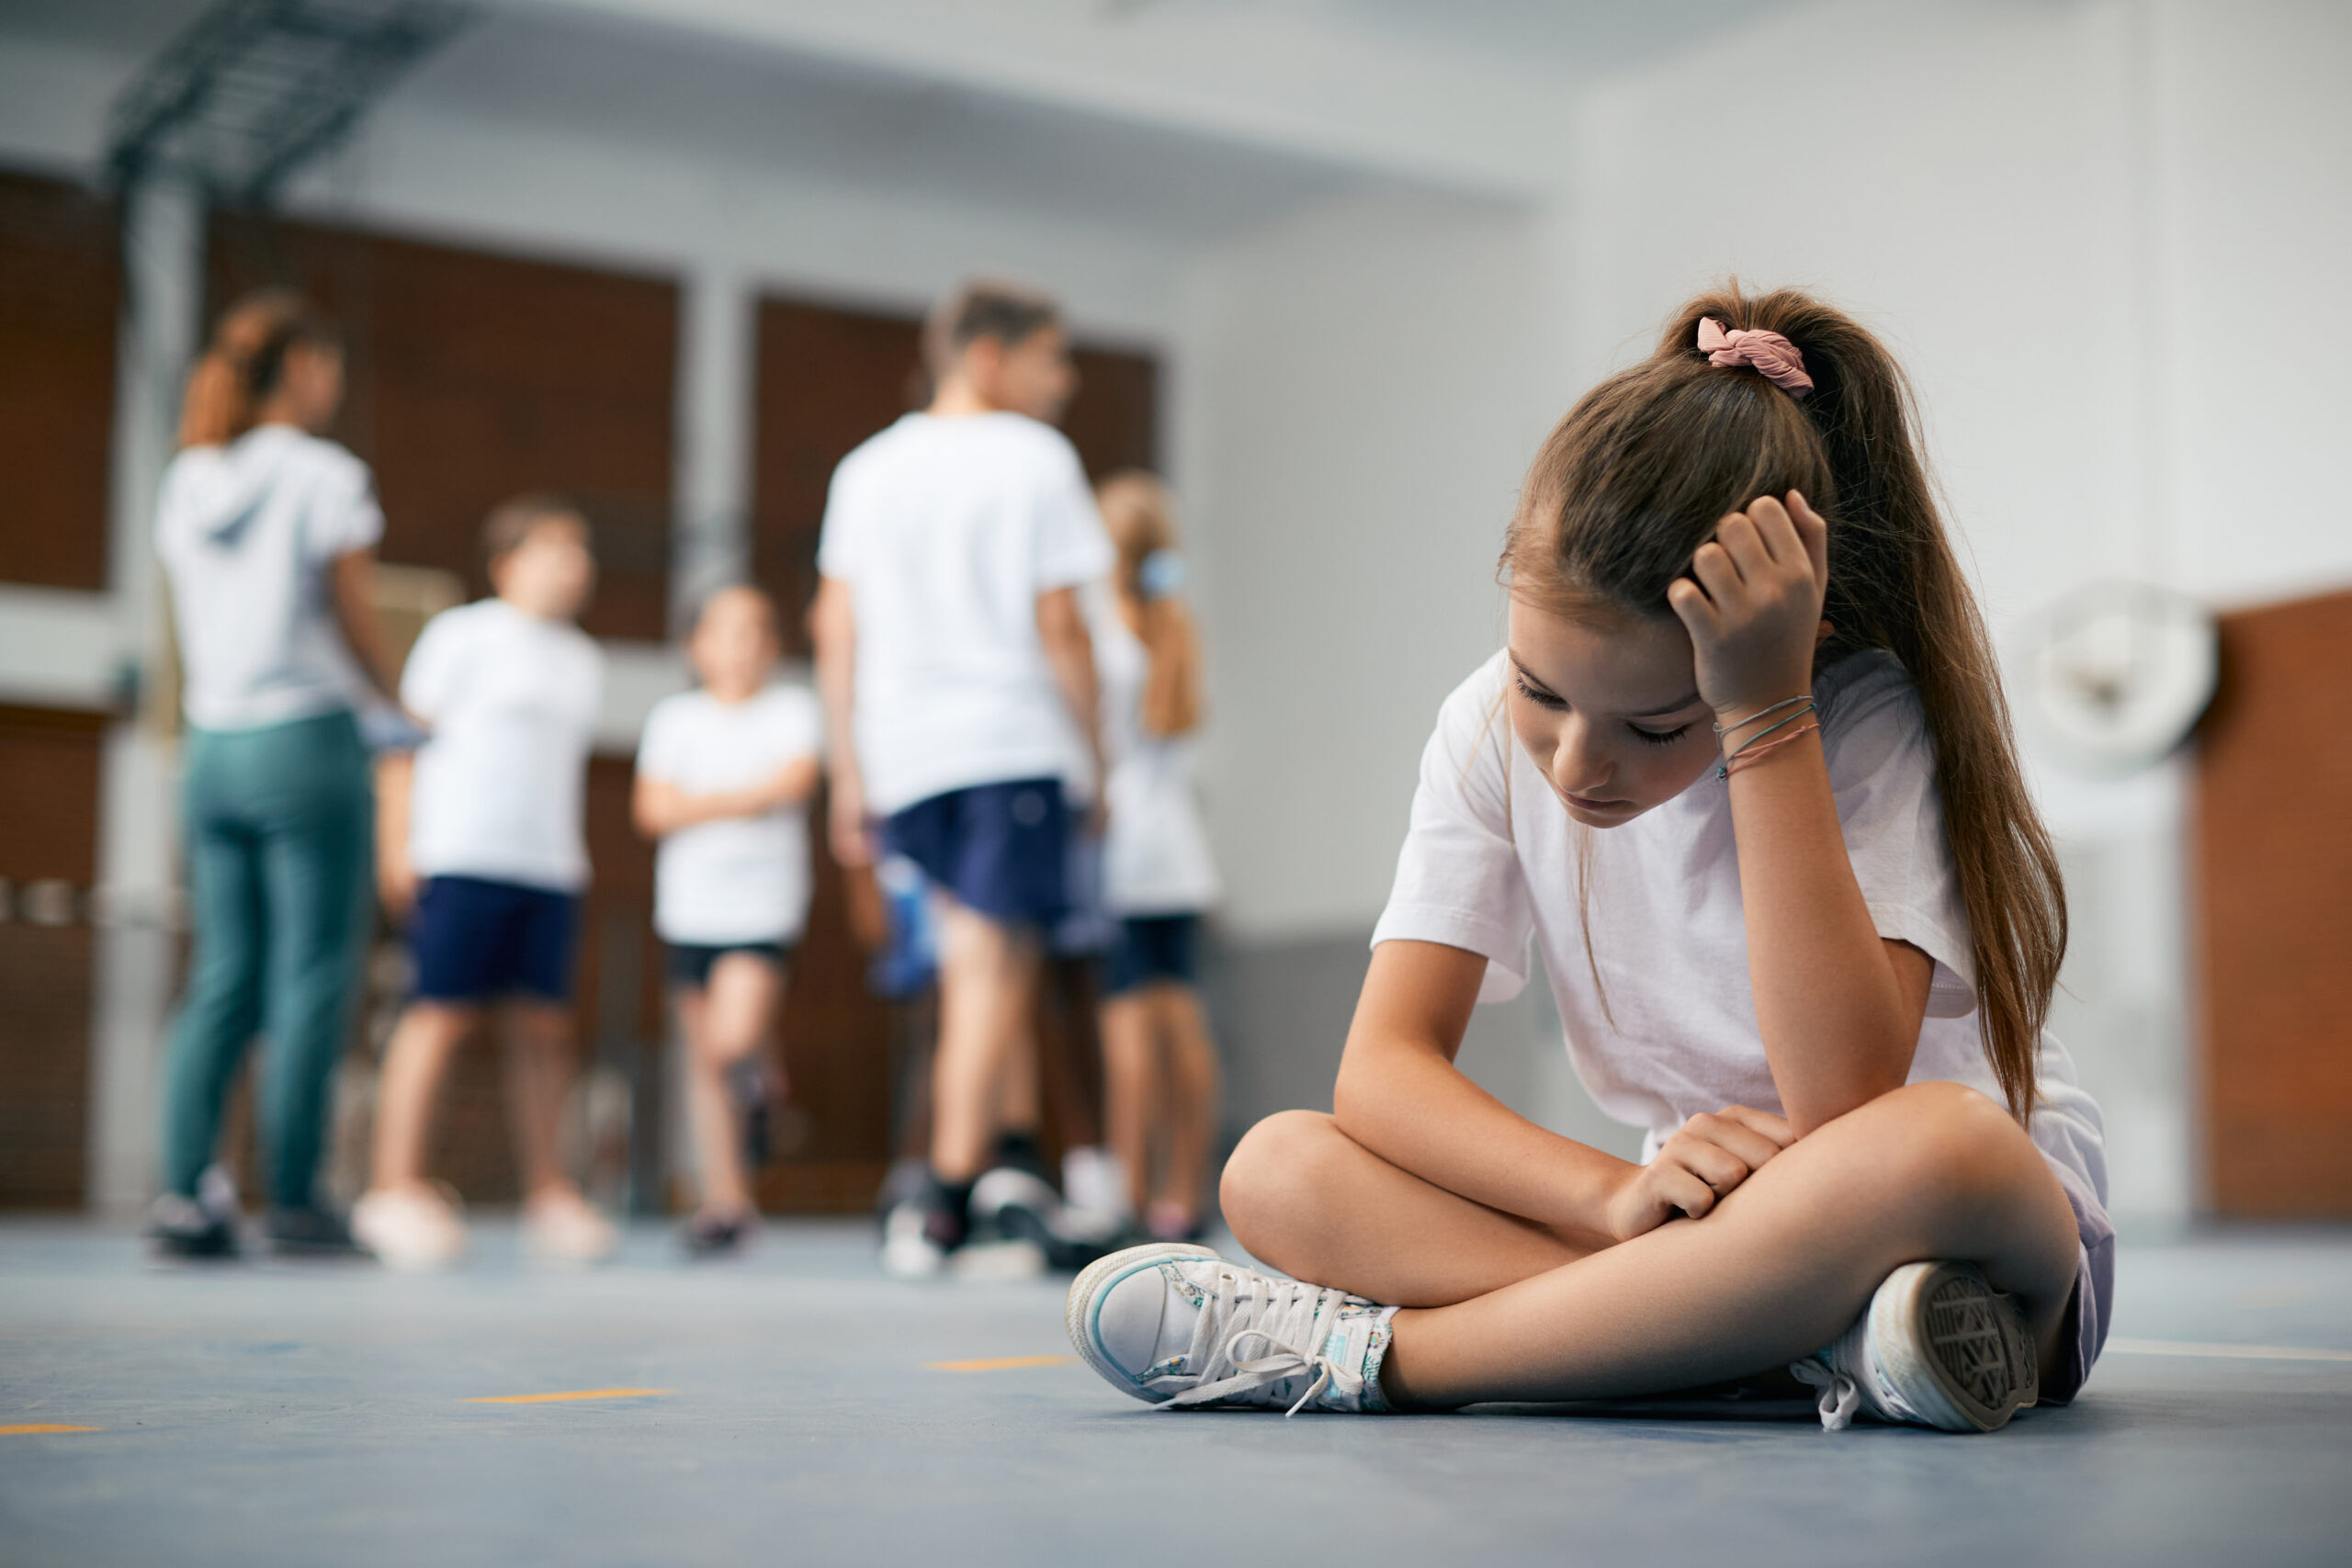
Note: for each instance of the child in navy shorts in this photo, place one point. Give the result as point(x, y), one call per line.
point(481, 847)
point(959, 679)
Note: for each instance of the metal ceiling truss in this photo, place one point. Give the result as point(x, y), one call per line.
point(255, 89)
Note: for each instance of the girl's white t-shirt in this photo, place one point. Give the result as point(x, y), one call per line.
point(742, 878)
point(1155, 857)
point(1492, 864)
point(246, 533)
point(511, 701)
point(946, 531)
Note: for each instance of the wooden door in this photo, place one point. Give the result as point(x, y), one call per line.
point(49, 830)
point(2274, 864)
point(474, 377)
point(60, 293)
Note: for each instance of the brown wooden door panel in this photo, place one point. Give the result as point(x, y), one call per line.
point(476, 376)
point(48, 826)
point(60, 295)
point(2274, 862)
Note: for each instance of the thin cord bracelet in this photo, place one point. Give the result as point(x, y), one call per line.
point(1743, 757)
point(1724, 729)
point(1723, 768)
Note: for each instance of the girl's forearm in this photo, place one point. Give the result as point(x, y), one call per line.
point(1408, 1104)
point(1838, 1028)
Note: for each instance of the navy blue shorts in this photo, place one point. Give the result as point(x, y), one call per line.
point(1153, 949)
point(1000, 849)
point(691, 962)
point(474, 938)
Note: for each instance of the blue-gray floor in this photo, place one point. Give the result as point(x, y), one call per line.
point(796, 1410)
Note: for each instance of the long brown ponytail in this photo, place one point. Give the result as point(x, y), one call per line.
point(245, 363)
point(1636, 479)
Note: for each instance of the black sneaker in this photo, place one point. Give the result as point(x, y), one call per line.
point(1024, 1207)
point(752, 1091)
point(311, 1232)
point(183, 1227)
point(719, 1235)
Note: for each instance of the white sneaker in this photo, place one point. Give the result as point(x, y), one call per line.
point(1937, 1347)
point(1178, 1326)
point(907, 1253)
point(412, 1229)
point(1094, 1186)
point(562, 1227)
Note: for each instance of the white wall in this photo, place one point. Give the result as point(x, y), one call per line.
point(1363, 393)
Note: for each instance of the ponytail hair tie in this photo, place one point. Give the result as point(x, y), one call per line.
point(1768, 353)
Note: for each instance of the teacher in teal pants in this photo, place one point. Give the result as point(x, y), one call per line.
point(267, 532)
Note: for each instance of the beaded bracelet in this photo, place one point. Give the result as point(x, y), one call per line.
point(1743, 757)
point(1723, 768)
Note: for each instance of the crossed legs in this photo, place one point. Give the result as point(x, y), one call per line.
point(1498, 1307)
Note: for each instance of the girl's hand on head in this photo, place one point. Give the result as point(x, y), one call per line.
point(1694, 1169)
point(1752, 605)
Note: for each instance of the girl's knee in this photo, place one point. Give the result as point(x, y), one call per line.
point(1273, 1173)
point(1946, 1142)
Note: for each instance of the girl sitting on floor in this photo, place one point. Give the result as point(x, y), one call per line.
point(1743, 775)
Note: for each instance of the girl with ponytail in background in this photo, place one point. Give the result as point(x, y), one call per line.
point(267, 531)
point(1157, 878)
point(1743, 777)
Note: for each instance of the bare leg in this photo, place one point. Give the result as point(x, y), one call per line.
point(1307, 1199)
point(1192, 1079)
point(1130, 1061)
point(724, 1025)
point(1933, 1170)
point(988, 975)
point(414, 1064)
point(538, 1071)
point(1019, 1104)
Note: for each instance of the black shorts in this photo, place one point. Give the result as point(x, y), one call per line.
point(691, 962)
point(1155, 949)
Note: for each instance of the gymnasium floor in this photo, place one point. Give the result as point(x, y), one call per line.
point(797, 1408)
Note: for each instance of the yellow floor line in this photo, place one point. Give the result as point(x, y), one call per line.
point(2227, 1352)
point(31, 1428)
point(1000, 1363)
point(574, 1393)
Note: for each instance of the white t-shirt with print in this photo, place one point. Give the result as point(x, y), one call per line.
point(1155, 857)
point(946, 531)
point(741, 878)
point(1491, 864)
point(511, 701)
point(248, 533)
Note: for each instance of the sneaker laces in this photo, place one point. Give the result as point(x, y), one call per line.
point(1284, 1315)
point(1840, 1395)
point(1846, 1374)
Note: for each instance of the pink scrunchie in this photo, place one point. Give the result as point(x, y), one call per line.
point(1770, 354)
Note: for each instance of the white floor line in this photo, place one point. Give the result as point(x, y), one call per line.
point(2226, 1352)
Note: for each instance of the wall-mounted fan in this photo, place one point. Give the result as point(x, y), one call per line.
point(2116, 675)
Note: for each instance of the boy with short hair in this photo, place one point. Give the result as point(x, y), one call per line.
point(481, 833)
point(951, 649)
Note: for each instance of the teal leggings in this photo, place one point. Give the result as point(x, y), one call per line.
point(281, 826)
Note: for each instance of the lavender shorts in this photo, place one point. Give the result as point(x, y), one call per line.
point(2087, 1315)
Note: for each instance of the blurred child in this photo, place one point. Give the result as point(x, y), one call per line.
point(481, 844)
point(959, 679)
point(723, 778)
point(1158, 876)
